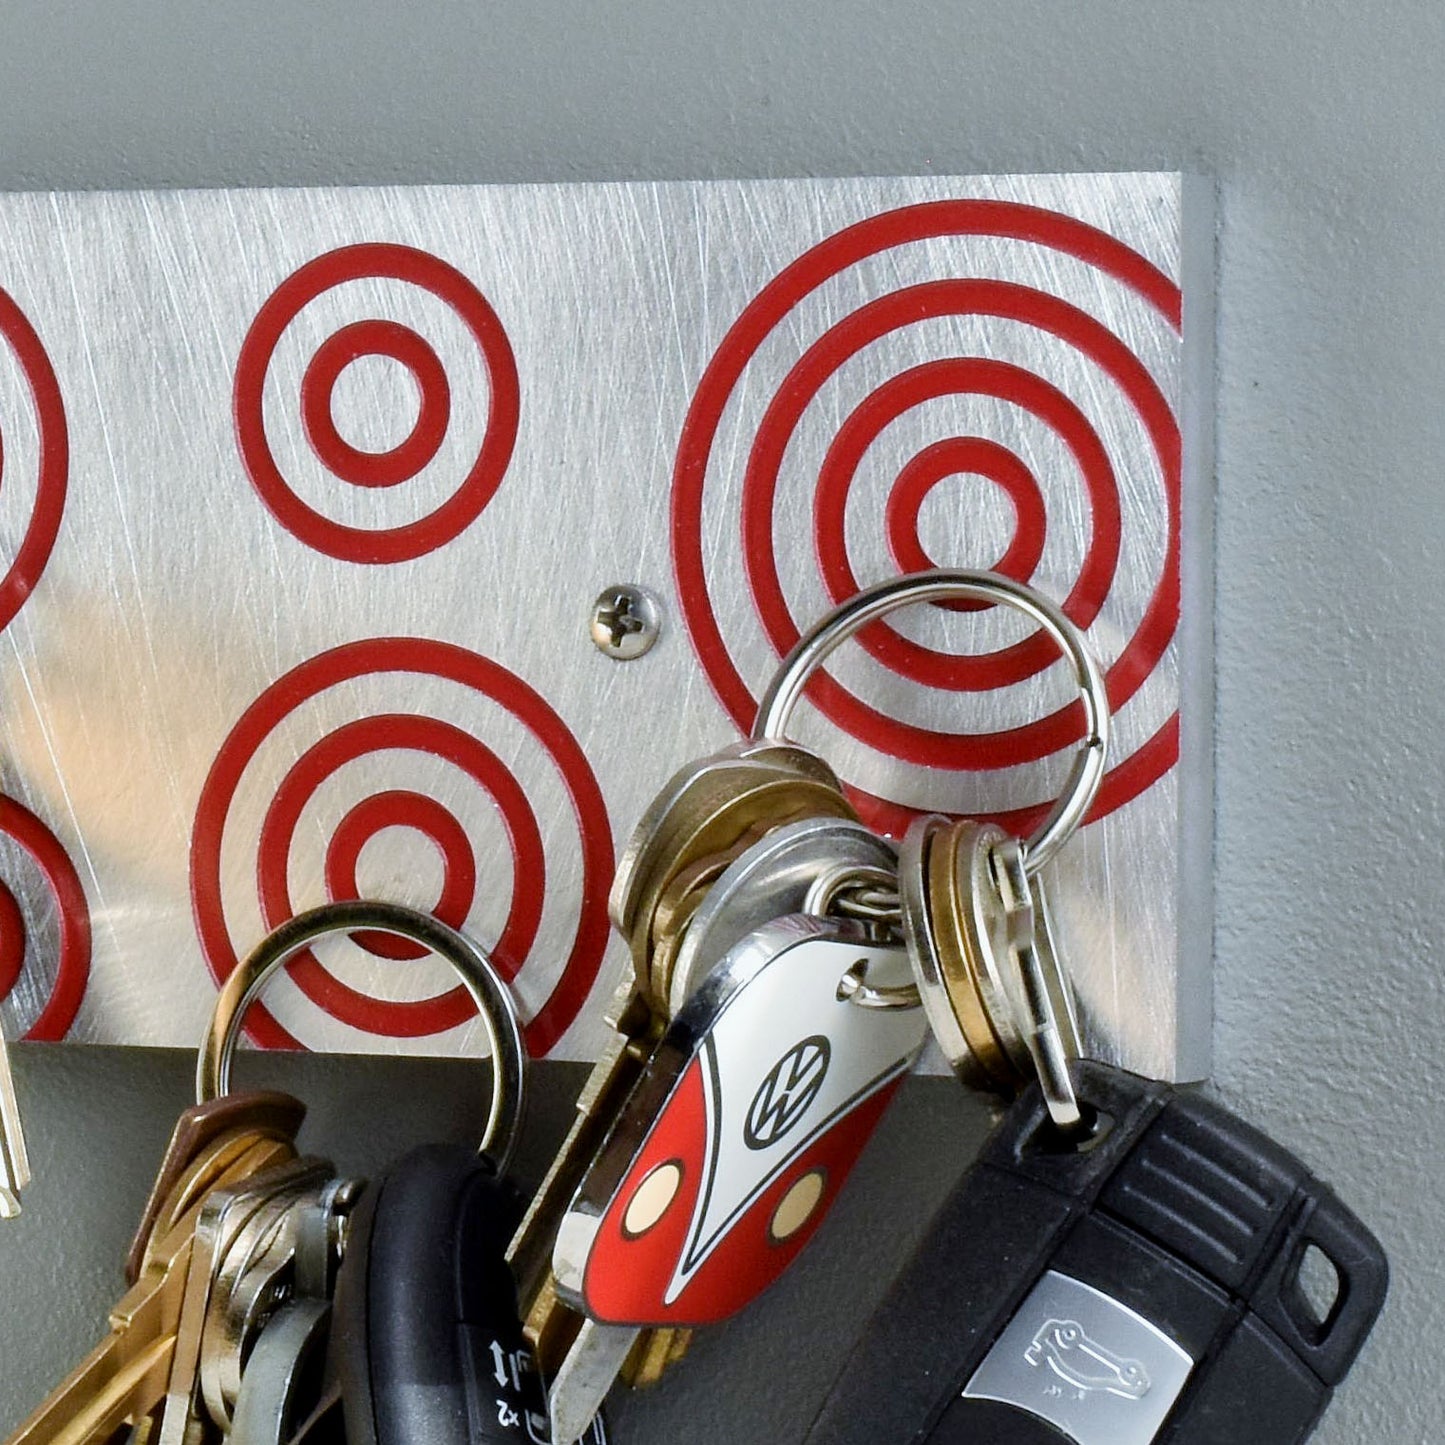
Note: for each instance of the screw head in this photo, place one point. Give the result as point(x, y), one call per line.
point(626, 621)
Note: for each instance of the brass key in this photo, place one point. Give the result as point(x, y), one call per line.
point(710, 810)
point(960, 981)
point(124, 1378)
point(233, 1121)
point(552, 1327)
point(982, 944)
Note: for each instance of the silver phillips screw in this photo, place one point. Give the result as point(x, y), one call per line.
point(626, 621)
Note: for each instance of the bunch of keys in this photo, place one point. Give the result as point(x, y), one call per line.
point(1125, 1265)
point(218, 1152)
point(272, 1300)
point(771, 1016)
point(634, 1246)
point(714, 1134)
point(973, 907)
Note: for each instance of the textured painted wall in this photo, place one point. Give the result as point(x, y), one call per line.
point(1322, 122)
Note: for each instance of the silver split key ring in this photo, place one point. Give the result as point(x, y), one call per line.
point(492, 997)
point(1043, 1003)
point(949, 585)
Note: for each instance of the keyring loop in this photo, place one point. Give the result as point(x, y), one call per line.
point(492, 997)
point(826, 889)
point(961, 584)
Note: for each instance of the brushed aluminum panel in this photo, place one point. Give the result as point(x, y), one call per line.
point(600, 412)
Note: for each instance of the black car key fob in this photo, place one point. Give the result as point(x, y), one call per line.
point(1143, 1283)
point(426, 1345)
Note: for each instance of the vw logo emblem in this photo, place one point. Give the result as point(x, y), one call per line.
point(788, 1091)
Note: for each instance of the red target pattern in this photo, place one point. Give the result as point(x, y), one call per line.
point(405, 460)
point(73, 967)
point(400, 807)
point(376, 337)
point(54, 460)
point(951, 457)
point(877, 321)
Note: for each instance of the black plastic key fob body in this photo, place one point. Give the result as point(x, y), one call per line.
point(1143, 1287)
point(426, 1345)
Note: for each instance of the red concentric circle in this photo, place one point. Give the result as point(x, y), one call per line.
point(945, 460)
point(1004, 301)
point(54, 461)
point(403, 732)
point(979, 672)
point(402, 808)
point(452, 517)
point(72, 972)
point(389, 732)
point(12, 942)
point(318, 389)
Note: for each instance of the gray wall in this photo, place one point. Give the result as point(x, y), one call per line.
point(1322, 121)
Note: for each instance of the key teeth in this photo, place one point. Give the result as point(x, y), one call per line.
point(9, 1204)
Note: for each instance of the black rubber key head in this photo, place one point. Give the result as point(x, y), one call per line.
point(426, 1345)
point(1175, 1279)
